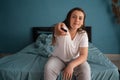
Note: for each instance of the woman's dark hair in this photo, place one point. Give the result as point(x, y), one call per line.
point(67, 19)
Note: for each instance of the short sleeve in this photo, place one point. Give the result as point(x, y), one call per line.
point(84, 40)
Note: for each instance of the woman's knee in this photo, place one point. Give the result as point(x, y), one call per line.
point(53, 65)
point(85, 67)
point(83, 70)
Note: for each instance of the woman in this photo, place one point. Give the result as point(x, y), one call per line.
point(71, 49)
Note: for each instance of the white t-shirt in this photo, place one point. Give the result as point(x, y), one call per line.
point(67, 49)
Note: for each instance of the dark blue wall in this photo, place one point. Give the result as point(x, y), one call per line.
point(17, 17)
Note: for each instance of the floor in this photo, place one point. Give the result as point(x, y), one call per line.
point(117, 63)
point(115, 58)
point(4, 54)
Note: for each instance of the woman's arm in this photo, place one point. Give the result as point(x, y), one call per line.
point(58, 31)
point(68, 71)
point(81, 59)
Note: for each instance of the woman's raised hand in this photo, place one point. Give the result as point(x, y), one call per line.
point(58, 30)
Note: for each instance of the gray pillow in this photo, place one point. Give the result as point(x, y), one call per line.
point(43, 45)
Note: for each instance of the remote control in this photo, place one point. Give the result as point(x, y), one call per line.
point(64, 29)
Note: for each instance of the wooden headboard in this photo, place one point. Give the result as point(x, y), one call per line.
point(36, 31)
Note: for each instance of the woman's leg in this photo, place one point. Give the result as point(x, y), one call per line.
point(53, 68)
point(83, 72)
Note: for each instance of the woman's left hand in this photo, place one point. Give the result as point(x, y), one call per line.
point(68, 72)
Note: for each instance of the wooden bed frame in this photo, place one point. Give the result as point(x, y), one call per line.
point(36, 31)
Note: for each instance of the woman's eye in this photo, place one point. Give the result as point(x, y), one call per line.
point(77, 17)
point(73, 16)
point(80, 18)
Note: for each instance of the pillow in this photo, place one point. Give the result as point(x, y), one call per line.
point(43, 45)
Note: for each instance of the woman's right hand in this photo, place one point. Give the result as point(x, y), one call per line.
point(58, 30)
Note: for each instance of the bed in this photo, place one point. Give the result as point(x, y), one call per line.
point(28, 63)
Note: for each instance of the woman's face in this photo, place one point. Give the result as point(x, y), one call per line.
point(76, 19)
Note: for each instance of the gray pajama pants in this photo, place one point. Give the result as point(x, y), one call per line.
point(54, 66)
